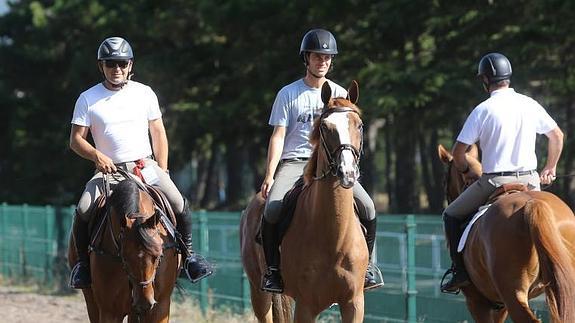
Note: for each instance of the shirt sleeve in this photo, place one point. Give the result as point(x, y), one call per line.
point(544, 121)
point(81, 117)
point(470, 132)
point(153, 106)
point(279, 115)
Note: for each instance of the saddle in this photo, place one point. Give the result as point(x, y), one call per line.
point(506, 189)
point(99, 211)
point(500, 192)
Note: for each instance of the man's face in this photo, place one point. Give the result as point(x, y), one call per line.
point(318, 64)
point(116, 71)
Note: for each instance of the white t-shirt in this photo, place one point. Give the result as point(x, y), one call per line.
point(293, 108)
point(118, 120)
point(506, 126)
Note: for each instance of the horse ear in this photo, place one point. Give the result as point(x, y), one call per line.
point(353, 92)
point(444, 155)
point(325, 92)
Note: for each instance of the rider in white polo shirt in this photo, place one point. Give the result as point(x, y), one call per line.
point(121, 115)
point(506, 126)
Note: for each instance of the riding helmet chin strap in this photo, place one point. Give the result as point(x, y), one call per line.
point(120, 85)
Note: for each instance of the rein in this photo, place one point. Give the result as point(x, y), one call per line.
point(117, 239)
point(332, 162)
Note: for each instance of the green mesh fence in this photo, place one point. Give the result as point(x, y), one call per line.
point(410, 252)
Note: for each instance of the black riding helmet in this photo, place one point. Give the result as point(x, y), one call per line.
point(115, 48)
point(318, 41)
point(496, 67)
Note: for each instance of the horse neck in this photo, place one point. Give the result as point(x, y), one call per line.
point(335, 204)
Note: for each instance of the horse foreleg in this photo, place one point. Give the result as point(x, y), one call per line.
point(261, 304)
point(499, 316)
point(93, 312)
point(518, 307)
point(480, 307)
point(353, 311)
point(303, 314)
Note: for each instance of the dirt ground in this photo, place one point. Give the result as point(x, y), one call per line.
point(26, 305)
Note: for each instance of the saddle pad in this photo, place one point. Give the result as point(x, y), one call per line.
point(477, 215)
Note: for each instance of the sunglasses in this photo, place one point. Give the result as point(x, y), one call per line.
point(114, 64)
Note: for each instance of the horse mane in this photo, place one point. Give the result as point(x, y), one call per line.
point(311, 167)
point(125, 200)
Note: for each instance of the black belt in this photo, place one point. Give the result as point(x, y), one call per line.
point(517, 173)
point(287, 160)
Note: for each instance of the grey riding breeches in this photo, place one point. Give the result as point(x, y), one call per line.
point(94, 188)
point(288, 173)
point(477, 194)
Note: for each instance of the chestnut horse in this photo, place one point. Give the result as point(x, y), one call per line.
point(134, 267)
point(324, 256)
point(520, 248)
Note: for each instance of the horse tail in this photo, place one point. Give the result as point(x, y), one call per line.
point(555, 262)
point(282, 308)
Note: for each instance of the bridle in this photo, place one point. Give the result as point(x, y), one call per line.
point(332, 162)
point(118, 242)
point(119, 238)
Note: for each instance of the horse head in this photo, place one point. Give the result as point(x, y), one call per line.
point(454, 179)
point(337, 138)
point(138, 241)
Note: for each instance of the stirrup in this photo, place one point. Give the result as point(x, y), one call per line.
point(80, 277)
point(201, 267)
point(448, 287)
point(373, 277)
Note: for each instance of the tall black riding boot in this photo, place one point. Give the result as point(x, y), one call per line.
point(80, 276)
point(459, 277)
point(373, 276)
point(272, 280)
point(195, 266)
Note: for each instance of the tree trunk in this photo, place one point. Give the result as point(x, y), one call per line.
point(368, 168)
point(430, 172)
point(406, 192)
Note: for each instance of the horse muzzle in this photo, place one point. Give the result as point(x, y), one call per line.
point(347, 177)
point(143, 301)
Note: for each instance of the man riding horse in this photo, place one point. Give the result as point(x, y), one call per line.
point(293, 112)
point(506, 125)
point(120, 114)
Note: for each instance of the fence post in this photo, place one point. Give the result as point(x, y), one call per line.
point(24, 237)
point(49, 244)
point(3, 236)
point(411, 231)
point(204, 250)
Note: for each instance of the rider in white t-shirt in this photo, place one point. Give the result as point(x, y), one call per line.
point(506, 126)
point(293, 112)
point(122, 115)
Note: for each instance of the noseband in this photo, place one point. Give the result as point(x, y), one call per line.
point(332, 162)
point(131, 277)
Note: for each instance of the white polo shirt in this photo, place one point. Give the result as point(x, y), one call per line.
point(506, 126)
point(118, 120)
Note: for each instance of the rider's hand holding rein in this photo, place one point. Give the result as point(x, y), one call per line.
point(555, 146)
point(104, 163)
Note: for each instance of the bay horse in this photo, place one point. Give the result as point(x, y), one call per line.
point(521, 247)
point(134, 266)
point(324, 256)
